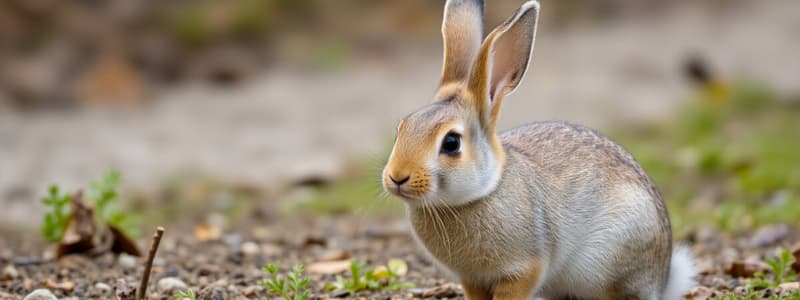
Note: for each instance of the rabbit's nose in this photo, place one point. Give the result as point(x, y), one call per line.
point(401, 181)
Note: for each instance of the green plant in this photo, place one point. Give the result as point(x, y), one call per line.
point(103, 195)
point(364, 278)
point(105, 198)
point(781, 271)
point(749, 294)
point(187, 294)
point(293, 287)
point(57, 215)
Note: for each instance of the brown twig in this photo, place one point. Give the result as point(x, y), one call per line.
point(141, 292)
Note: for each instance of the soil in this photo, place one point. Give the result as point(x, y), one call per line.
point(230, 267)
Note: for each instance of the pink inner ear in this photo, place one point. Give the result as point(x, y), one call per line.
point(497, 86)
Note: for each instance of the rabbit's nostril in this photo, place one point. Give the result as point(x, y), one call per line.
point(401, 181)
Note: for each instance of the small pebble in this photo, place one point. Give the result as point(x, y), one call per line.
point(232, 240)
point(252, 291)
point(171, 272)
point(209, 293)
point(250, 248)
point(126, 261)
point(26, 261)
point(9, 272)
point(67, 286)
point(698, 293)
point(40, 294)
point(158, 262)
point(706, 267)
point(769, 235)
point(102, 287)
point(170, 284)
point(789, 286)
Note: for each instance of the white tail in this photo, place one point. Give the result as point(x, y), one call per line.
point(682, 272)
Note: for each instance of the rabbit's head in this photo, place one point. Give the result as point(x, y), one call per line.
point(447, 153)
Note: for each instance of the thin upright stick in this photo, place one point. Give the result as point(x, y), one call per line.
point(141, 292)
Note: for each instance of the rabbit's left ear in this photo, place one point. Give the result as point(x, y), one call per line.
point(502, 60)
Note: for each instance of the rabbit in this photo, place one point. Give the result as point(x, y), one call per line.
point(548, 209)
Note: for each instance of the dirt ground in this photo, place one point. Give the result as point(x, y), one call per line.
point(230, 267)
point(286, 126)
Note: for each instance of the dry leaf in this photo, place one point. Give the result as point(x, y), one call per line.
point(79, 235)
point(329, 267)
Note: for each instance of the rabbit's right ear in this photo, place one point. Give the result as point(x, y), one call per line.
point(462, 30)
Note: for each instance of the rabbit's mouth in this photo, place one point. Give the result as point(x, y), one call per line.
point(402, 193)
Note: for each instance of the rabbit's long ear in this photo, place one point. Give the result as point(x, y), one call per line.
point(462, 30)
point(502, 61)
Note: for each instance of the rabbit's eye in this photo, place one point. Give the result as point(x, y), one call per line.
point(451, 144)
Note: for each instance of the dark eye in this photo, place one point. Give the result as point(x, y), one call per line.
point(451, 144)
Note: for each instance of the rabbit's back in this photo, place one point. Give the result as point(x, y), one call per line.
point(562, 150)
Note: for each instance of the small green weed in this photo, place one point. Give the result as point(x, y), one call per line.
point(57, 215)
point(103, 195)
point(187, 294)
point(106, 201)
point(365, 278)
point(293, 287)
point(751, 293)
point(781, 272)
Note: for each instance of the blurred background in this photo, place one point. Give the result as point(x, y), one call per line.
point(265, 108)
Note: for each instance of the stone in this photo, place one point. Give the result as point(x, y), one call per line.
point(250, 248)
point(171, 284)
point(126, 261)
point(705, 267)
point(40, 294)
point(769, 235)
point(66, 286)
point(102, 287)
point(698, 293)
point(252, 290)
point(788, 287)
point(211, 293)
point(9, 273)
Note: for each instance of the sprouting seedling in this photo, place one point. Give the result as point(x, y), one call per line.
point(187, 294)
point(105, 197)
point(291, 287)
point(364, 278)
point(781, 271)
point(57, 215)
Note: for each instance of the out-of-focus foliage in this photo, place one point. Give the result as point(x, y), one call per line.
point(735, 162)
